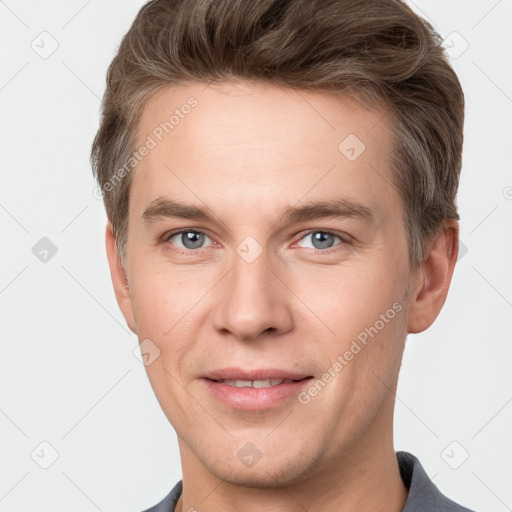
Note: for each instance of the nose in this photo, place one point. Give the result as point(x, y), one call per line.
point(253, 301)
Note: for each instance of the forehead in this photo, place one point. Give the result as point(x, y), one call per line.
point(276, 144)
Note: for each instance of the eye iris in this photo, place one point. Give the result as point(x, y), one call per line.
point(324, 240)
point(192, 239)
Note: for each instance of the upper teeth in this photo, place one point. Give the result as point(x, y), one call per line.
point(254, 383)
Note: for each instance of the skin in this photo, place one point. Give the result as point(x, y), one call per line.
point(246, 152)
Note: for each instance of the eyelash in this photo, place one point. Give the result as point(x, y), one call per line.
point(188, 252)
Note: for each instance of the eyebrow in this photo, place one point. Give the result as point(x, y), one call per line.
point(335, 208)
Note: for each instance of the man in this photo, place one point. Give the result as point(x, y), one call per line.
point(280, 180)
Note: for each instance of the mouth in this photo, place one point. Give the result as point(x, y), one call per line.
point(259, 384)
point(255, 389)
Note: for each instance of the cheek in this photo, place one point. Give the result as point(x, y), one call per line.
point(167, 307)
point(359, 328)
point(346, 300)
point(162, 298)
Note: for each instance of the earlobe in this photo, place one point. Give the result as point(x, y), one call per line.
point(434, 279)
point(119, 279)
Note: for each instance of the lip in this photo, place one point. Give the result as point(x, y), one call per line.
point(233, 373)
point(254, 399)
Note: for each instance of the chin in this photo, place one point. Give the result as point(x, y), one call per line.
point(268, 472)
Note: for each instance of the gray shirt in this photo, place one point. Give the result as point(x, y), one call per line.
point(424, 496)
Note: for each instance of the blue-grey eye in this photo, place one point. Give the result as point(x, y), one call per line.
point(188, 239)
point(322, 239)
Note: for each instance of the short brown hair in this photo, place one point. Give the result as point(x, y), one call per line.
point(376, 50)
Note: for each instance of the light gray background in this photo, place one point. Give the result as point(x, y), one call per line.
point(68, 375)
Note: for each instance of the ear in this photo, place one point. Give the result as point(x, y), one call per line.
point(119, 279)
point(434, 278)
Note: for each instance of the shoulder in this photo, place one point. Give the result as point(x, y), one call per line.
point(423, 496)
point(169, 502)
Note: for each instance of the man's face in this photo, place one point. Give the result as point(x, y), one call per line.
point(266, 287)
